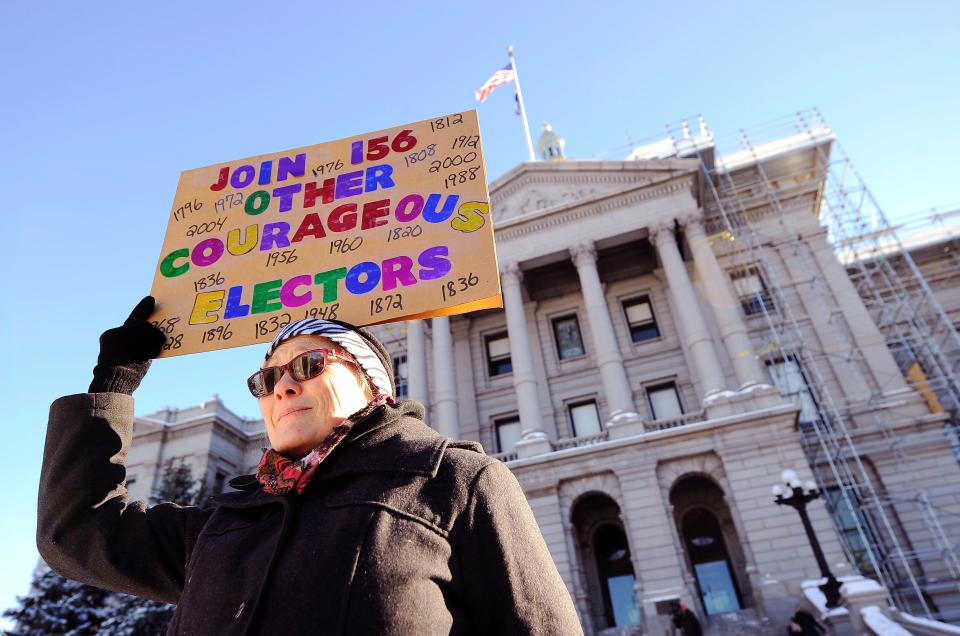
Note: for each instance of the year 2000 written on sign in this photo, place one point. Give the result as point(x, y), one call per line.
point(385, 226)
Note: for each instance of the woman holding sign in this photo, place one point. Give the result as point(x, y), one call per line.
point(360, 519)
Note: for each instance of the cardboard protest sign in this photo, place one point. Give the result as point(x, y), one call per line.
point(385, 226)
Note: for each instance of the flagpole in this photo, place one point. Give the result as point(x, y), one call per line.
point(523, 111)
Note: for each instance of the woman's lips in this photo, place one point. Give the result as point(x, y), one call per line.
point(291, 411)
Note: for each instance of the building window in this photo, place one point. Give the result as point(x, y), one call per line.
point(643, 326)
point(584, 418)
point(498, 355)
point(566, 332)
point(846, 519)
point(753, 293)
point(790, 381)
point(508, 433)
point(664, 401)
point(400, 376)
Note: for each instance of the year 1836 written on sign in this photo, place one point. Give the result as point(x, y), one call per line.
point(386, 226)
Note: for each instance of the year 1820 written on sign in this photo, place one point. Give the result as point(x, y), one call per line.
point(384, 226)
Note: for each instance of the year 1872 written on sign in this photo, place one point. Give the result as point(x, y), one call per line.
point(385, 226)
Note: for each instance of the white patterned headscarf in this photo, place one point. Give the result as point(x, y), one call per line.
point(347, 338)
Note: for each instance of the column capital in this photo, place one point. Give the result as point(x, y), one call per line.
point(511, 273)
point(691, 222)
point(583, 254)
point(661, 230)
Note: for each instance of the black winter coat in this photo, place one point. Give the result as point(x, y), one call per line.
point(401, 531)
point(686, 621)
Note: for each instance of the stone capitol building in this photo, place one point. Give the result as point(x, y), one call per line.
point(679, 327)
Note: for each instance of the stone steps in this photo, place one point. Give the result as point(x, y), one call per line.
point(742, 623)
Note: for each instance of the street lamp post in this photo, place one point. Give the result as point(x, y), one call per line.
point(797, 495)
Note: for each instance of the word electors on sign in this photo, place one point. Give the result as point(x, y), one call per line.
point(362, 278)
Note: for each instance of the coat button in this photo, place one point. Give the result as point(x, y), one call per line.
point(240, 610)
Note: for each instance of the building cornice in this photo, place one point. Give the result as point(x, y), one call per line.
point(586, 171)
point(563, 179)
point(177, 428)
point(566, 212)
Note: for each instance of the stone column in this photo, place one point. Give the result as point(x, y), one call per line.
point(417, 362)
point(698, 340)
point(616, 386)
point(445, 417)
point(726, 307)
point(521, 357)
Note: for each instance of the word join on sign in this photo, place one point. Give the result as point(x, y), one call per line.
point(345, 185)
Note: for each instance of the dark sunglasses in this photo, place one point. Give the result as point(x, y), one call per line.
point(308, 364)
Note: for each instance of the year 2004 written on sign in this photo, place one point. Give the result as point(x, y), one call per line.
point(385, 226)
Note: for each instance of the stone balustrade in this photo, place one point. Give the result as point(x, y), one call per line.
point(674, 422)
point(536, 443)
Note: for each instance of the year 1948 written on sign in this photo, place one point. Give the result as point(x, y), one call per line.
point(385, 226)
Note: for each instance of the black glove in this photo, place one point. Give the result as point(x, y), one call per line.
point(126, 351)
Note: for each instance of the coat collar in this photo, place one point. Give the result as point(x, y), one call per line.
point(391, 440)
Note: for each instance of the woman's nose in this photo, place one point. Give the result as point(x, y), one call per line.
point(286, 387)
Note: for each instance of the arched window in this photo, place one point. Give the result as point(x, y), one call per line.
point(711, 564)
point(616, 576)
point(605, 561)
point(710, 544)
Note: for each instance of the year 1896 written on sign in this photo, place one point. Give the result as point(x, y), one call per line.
point(380, 227)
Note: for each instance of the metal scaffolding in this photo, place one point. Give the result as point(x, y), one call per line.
point(741, 189)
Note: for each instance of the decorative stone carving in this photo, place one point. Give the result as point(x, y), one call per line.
point(692, 220)
point(583, 254)
point(572, 490)
point(535, 200)
point(579, 193)
point(708, 464)
point(661, 230)
point(511, 274)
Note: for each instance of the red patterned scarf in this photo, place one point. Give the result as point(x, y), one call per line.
point(280, 475)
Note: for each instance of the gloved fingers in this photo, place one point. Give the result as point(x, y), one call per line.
point(126, 351)
point(145, 339)
point(135, 341)
point(143, 309)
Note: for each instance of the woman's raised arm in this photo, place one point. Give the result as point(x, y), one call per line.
point(86, 528)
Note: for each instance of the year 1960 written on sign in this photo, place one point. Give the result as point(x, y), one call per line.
point(384, 226)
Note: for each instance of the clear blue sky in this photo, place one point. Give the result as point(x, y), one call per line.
point(105, 103)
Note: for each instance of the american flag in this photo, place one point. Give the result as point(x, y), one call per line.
point(501, 77)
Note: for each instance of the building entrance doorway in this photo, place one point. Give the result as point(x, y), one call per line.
point(711, 546)
point(711, 564)
point(605, 560)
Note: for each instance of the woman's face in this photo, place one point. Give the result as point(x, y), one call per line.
point(300, 415)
